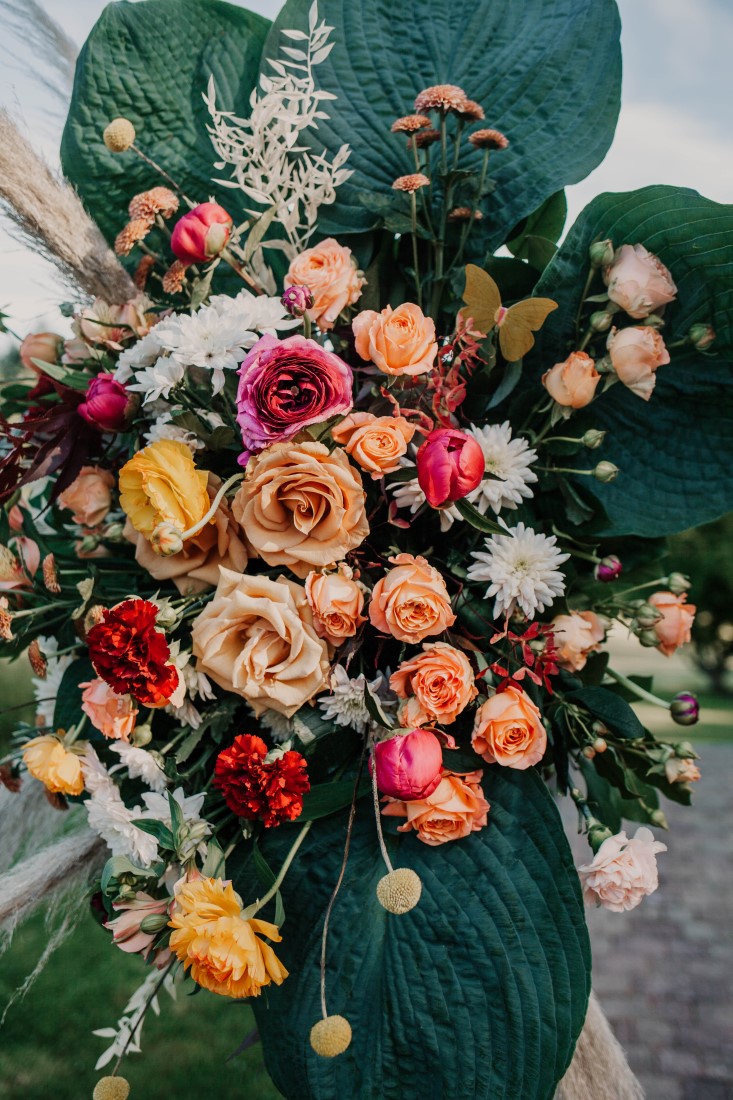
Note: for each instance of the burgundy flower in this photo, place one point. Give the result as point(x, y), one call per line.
point(107, 404)
point(297, 300)
point(450, 464)
point(254, 787)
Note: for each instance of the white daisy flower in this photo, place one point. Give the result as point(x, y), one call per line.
point(509, 462)
point(142, 354)
point(522, 568)
point(140, 764)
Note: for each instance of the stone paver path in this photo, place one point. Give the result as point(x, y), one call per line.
point(664, 972)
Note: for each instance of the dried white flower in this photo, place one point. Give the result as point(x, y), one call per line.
point(522, 567)
point(126, 1036)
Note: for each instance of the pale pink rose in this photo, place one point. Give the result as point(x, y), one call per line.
point(329, 271)
point(635, 353)
point(622, 871)
point(454, 810)
point(576, 636)
point(673, 629)
point(125, 928)
point(681, 771)
point(89, 497)
point(112, 714)
point(44, 346)
point(573, 382)
point(399, 341)
point(638, 282)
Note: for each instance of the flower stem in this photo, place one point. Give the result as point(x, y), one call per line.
point(212, 510)
point(415, 259)
point(378, 819)
point(285, 868)
point(640, 692)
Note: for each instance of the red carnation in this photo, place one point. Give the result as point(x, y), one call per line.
point(131, 655)
point(254, 787)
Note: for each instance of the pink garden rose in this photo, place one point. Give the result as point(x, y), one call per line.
point(635, 353)
point(622, 871)
point(201, 234)
point(409, 765)
point(106, 404)
point(284, 385)
point(674, 627)
point(638, 282)
point(450, 465)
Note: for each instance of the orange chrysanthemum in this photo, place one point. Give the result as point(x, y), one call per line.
point(143, 269)
point(488, 139)
point(220, 948)
point(471, 111)
point(409, 124)
point(158, 200)
point(424, 138)
point(411, 183)
point(174, 278)
point(50, 574)
point(6, 622)
point(442, 97)
point(37, 661)
point(134, 232)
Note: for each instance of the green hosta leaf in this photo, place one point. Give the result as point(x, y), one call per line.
point(546, 225)
point(548, 75)
point(68, 712)
point(150, 62)
point(327, 798)
point(674, 451)
point(479, 992)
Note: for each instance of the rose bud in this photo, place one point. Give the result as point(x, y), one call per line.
point(605, 472)
point(685, 709)
point(107, 404)
point(201, 234)
point(297, 300)
point(450, 465)
point(608, 569)
point(700, 336)
point(44, 346)
point(593, 438)
point(678, 583)
point(601, 253)
point(408, 765)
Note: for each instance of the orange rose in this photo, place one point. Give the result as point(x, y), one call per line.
point(302, 506)
point(454, 810)
point(437, 684)
point(337, 603)
point(89, 496)
point(673, 629)
point(635, 353)
point(399, 341)
point(573, 382)
point(112, 714)
point(508, 730)
point(377, 443)
point(59, 769)
point(329, 271)
point(576, 636)
point(410, 602)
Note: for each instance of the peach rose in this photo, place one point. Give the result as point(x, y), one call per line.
point(576, 636)
point(302, 506)
point(399, 341)
point(622, 872)
point(638, 282)
point(673, 629)
point(256, 638)
point(682, 771)
point(508, 730)
point(337, 602)
point(196, 567)
point(411, 602)
point(573, 382)
point(58, 768)
point(89, 496)
point(112, 714)
point(636, 353)
point(377, 443)
point(329, 271)
point(454, 810)
point(437, 684)
point(44, 346)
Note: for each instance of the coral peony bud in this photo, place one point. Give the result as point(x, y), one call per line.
point(608, 569)
point(408, 764)
point(297, 300)
point(605, 472)
point(601, 253)
point(399, 891)
point(331, 1036)
point(119, 135)
point(202, 233)
point(107, 404)
point(678, 583)
point(685, 709)
point(701, 336)
point(44, 346)
point(450, 465)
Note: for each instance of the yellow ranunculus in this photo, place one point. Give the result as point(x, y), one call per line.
point(161, 484)
point(221, 948)
point(47, 759)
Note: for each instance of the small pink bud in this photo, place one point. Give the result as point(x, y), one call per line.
point(609, 569)
point(450, 465)
point(297, 300)
point(202, 233)
point(685, 709)
point(107, 404)
point(409, 764)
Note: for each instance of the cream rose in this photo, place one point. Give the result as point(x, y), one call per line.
point(576, 636)
point(411, 602)
point(89, 497)
point(675, 625)
point(399, 341)
point(377, 443)
point(302, 506)
point(508, 730)
point(635, 353)
point(622, 872)
point(329, 271)
point(337, 602)
point(437, 685)
point(256, 638)
point(573, 382)
point(638, 282)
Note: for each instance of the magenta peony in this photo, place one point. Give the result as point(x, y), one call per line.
point(408, 765)
point(450, 464)
point(106, 404)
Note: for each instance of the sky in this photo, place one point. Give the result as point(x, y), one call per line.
point(675, 124)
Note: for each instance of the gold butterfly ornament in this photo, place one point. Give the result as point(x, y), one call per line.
point(515, 324)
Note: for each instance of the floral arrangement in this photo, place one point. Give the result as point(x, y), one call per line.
point(312, 545)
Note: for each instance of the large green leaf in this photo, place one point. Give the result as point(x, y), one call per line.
point(674, 451)
point(479, 992)
point(150, 62)
point(547, 73)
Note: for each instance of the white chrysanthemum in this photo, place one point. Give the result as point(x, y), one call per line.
point(140, 764)
point(157, 380)
point(522, 568)
point(47, 689)
point(110, 818)
point(346, 703)
point(408, 494)
point(162, 429)
point(142, 354)
point(277, 725)
point(509, 462)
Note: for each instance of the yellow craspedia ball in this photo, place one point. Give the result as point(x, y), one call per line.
point(119, 135)
point(111, 1088)
point(400, 890)
point(331, 1036)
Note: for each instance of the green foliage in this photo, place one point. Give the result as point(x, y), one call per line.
point(150, 62)
point(675, 450)
point(547, 75)
point(480, 991)
point(611, 709)
point(68, 712)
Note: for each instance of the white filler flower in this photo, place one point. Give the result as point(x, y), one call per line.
point(522, 568)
